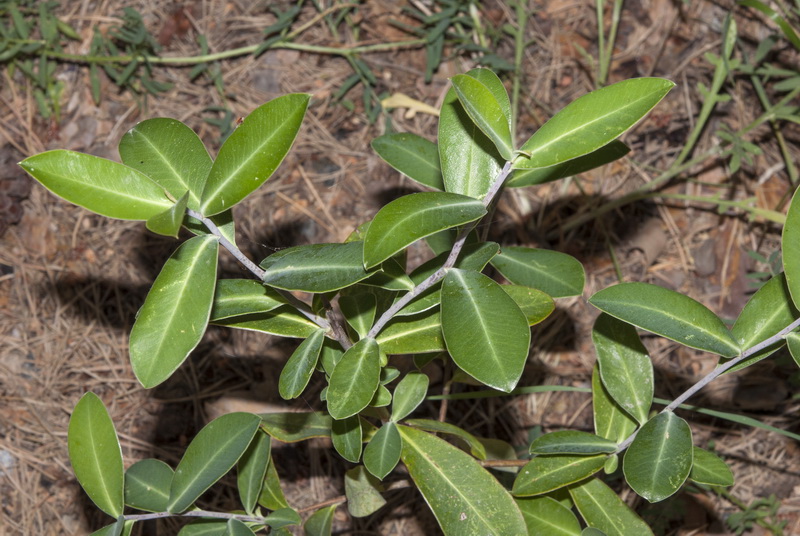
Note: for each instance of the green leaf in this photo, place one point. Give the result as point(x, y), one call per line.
point(390, 276)
point(572, 442)
point(363, 492)
point(223, 221)
point(767, 312)
point(793, 342)
point(486, 333)
point(469, 160)
point(544, 515)
point(271, 496)
point(592, 121)
point(237, 528)
point(300, 366)
point(667, 313)
point(211, 454)
point(555, 273)
point(253, 152)
point(320, 522)
point(409, 394)
point(347, 437)
point(464, 497)
point(610, 420)
point(625, 367)
point(171, 154)
point(381, 398)
point(315, 267)
point(284, 321)
point(296, 426)
point(95, 454)
point(411, 155)
point(204, 527)
point(534, 304)
point(482, 107)
point(407, 219)
point(147, 485)
point(169, 223)
point(354, 380)
point(660, 458)
point(602, 509)
point(251, 470)
point(102, 186)
point(383, 451)
point(236, 297)
point(600, 157)
point(475, 446)
point(709, 469)
point(415, 334)
point(548, 473)
point(175, 313)
point(283, 518)
point(790, 247)
point(359, 311)
point(119, 528)
point(488, 78)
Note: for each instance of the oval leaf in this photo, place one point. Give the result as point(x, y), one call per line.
point(610, 420)
point(482, 107)
point(95, 454)
point(147, 485)
point(409, 218)
point(236, 297)
point(363, 492)
point(411, 155)
point(601, 508)
point(409, 394)
point(463, 496)
point(320, 522)
point(347, 437)
point(660, 458)
point(211, 454)
point(415, 334)
point(476, 448)
point(709, 469)
point(669, 314)
point(486, 333)
point(315, 267)
point(354, 380)
point(272, 497)
point(790, 248)
point(625, 367)
point(359, 311)
point(544, 515)
point(175, 313)
point(592, 121)
point(284, 321)
point(548, 473)
point(555, 273)
point(169, 223)
point(534, 304)
point(171, 154)
point(253, 152)
point(237, 528)
point(251, 470)
point(602, 156)
point(296, 426)
point(298, 370)
point(572, 442)
point(383, 451)
point(102, 186)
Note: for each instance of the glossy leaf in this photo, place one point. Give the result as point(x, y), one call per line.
point(548, 473)
point(592, 121)
point(296, 426)
point(359, 311)
point(486, 334)
point(464, 497)
point(625, 367)
point(411, 155)
point(346, 435)
point(409, 394)
point(555, 273)
point(102, 186)
point(320, 523)
point(175, 313)
point(600, 157)
point(169, 223)
point(534, 304)
point(236, 297)
point(284, 321)
point(283, 517)
point(363, 492)
point(482, 107)
point(251, 470)
point(390, 276)
point(300, 366)
point(667, 313)
point(488, 78)
point(315, 267)
point(271, 496)
point(381, 398)
point(147, 485)
point(171, 154)
point(572, 442)
point(412, 217)
point(419, 333)
point(469, 160)
point(544, 515)
point(660, 458)
point(767, 312)
point(237, 528)
point(383, 451)
point(709, 469)
point(354, 380)
point(253, 152)
point(211, 454)
point(603, 509)
point(95, 454)
point(610, 420)
point(475, 446)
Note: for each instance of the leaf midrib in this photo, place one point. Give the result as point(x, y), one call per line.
point(192, 194)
